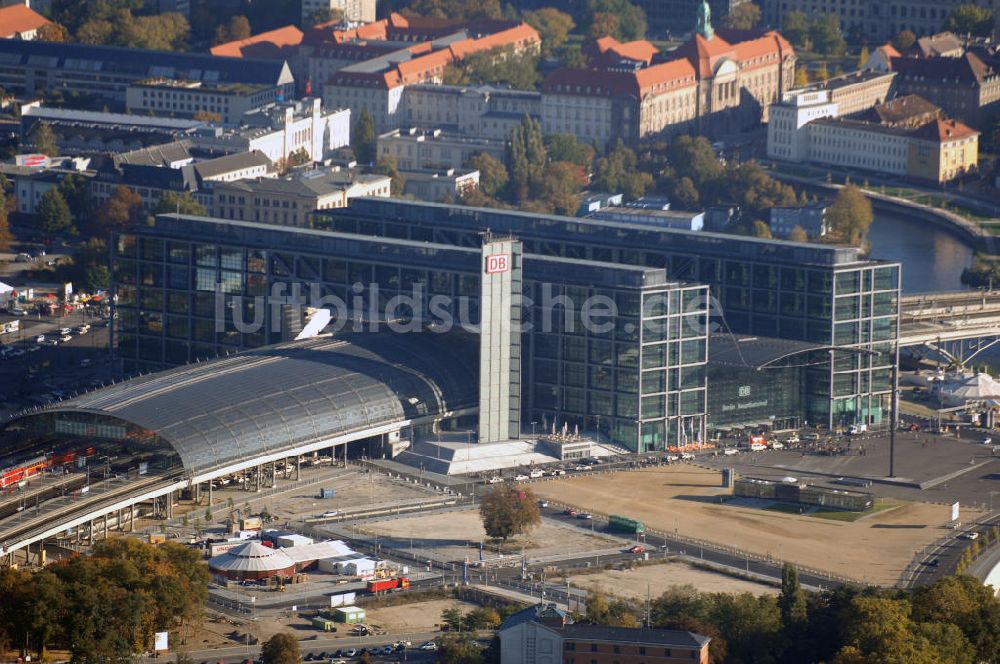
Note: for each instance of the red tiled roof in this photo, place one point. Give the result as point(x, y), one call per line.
point(704, 53)
point(273, 45)
point(17, 19)
point(945, 131)
point(661, 77)
point(639, 50)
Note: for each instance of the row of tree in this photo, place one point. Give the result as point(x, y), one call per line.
point(954, 621)
point(103, 607)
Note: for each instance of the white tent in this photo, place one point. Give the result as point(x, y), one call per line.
point(5, 288)
point(978, 387)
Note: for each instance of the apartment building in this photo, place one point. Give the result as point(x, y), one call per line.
point(787, 131)
point(353, 11)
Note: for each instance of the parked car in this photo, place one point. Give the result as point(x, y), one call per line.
point(569, 511)
point(730, 451)
point(638, 548)
point(584, 515)
point(496, 479)
point(971, 535)
point(986, 441)
point(429, 646)
point(857, 429)
point(521, 477)
point(536, 473)
point(543, 503)
point(687, 456)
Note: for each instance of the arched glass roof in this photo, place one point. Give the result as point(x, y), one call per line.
point(273, 398)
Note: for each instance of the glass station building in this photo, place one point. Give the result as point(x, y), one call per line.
point(190, 288)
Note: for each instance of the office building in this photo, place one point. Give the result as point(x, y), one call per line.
point(811, 218)
point(352, 11)
point(193, 99)
point(545, 634)
point(431, 185)
point(103, 73)
point(840, 306)
point(435, 149)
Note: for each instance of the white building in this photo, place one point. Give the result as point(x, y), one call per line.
point(438, 185)
point(482, 111)
point(282, 130)
point(354, 11)
point(787, 134)
point(435, 150)
point(226, 102)
point(858, 145)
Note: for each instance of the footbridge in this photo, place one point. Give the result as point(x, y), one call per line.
point(250, 415)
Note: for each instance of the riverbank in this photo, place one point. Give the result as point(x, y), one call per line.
point(980, 239)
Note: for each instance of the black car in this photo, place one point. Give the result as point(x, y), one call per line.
point(337, 653)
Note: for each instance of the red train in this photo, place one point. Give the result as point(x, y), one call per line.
point(11, 475)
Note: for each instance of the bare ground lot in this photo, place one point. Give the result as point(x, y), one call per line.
point(456, 534)
point(683, 499)
point(633, 583)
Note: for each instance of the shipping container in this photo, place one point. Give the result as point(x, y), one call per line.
point(349, 614)
point(378, 585)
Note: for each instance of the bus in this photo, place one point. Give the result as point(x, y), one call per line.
point(625, 524)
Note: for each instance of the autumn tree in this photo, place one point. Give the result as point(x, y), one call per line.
point(122, 209)
point(44, 139)
point(970, 19)
point(53, 32)
point(744, 16)
point(6, 237)
point(559, 187)
point(282, 648)
point(863, 57)
point(850, 215)
point(631, 20)
point(493, 176)
point(798, 234)
point(498, 66)
point(386, 165)
point(363, 141)
point(180, 203)
point(457, 9)
point(508, 511)
point(801, 77)
point(603, 24)
point(762, 230)
point(238, 28)
point(553, 27)
point(618, 172)
point(685, 194)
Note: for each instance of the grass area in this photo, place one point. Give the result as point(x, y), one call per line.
point(841, 515)
point(786, 508)
point(930, 200)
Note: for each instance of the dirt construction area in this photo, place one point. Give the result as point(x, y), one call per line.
point(455, 535)
point(634, 583)
point(685, 499)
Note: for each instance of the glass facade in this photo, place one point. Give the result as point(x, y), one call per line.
point(191, 288)
point(745, 397)
point(815, 293)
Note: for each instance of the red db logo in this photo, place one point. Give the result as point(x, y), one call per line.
point(497, 263)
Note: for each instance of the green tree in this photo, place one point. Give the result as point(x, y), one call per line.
point(452, 618)
point(684, 194)
point(618, 172)
point(498, 66)
point(53, 213)
point(744, 16)
point(904, 40)
point(795, 28)
point(792, 600)
point(6, 236)
point(526, 157)
point(798, 234)
point(603, 24)
point(507, 511)
point(970, 19)
point(238, 28)
point(564, 147)
point(44, 140)
point(75, 188)
point(458, 650)
point(826, 36)
point(172, 202)
point(965, 602)
point(363, 139)
point(282, 648)
point(851, 215)
point(553, 27)
point(598, 609)
point(386, 165)
point(456, 9)
point(631, 19)
point(325, 15)
point(492, 173)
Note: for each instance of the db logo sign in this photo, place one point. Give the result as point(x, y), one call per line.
point(497, 263)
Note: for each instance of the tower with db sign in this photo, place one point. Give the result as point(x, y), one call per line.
point(500, 340)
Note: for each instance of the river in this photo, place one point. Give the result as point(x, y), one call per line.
point(932, 259)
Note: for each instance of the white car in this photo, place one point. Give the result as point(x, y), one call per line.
point(496, 479)
point(777, 445)
point(986, 441)
point(857, 429)
point(793, 440)
point(429, 645)
point(971, 535)
point(673, 457)
point(687, 456)
point(535, 474)
point(521, 478)
point(730, 451)
point(581, 468)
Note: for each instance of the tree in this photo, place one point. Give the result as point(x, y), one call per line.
point(798, 234)
point(123, 208)
point(795, 27)
point(492, 173)
point(54, 214)
point(363, 138)
point(826, 36)
point(801, 77)
point(282, 648)
point(618, 173)
point(386, 165)
point(456, 9)
point(238, 28)
point(597, 607)
point(792, 600)
point(745, 16)
point(526, 157)
point(458, 650)
point(6, 237)
point(452, 617)
point(75, 188)
point(851, 215)
point(603, 24)
point(44, 140)
point(970, 19)
point(762, 230)
point(498, 66)
point(325, 15)
point(553, 27)
point(631, 19)
point(171, 202)
point(863, 57)
point(685, 194)
point(53, 32)
point(904, 40)
point(964, 601)
point(509, 511)
point(822, 73)
point(560, 187)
